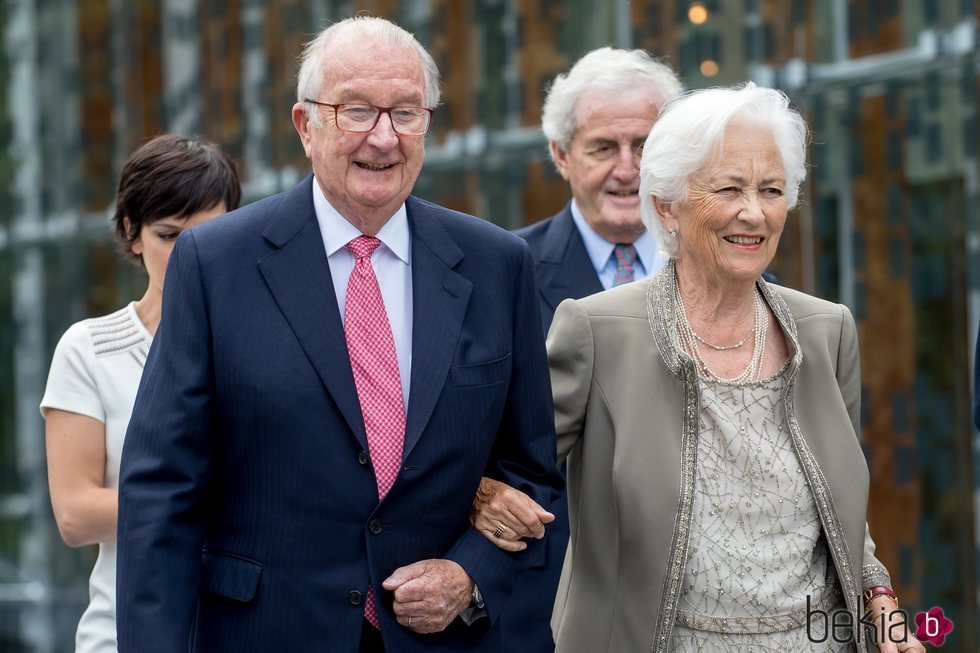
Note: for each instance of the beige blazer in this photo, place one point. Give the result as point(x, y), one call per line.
point(627, 412)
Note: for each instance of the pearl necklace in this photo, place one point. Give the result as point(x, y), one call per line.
point(724, 347)
point(689, 341)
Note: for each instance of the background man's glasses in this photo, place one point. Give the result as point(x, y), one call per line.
point(359, 118)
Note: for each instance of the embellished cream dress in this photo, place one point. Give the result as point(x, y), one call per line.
point(756, 551)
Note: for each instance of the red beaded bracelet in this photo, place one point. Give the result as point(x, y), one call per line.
point(872, 592)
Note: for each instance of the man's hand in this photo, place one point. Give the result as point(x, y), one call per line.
point(505, 516)
point(429, 594)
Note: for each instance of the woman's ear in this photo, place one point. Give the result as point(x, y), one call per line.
point(665, 211)
point(137, 246)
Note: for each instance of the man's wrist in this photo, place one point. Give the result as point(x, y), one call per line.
point(476, 600)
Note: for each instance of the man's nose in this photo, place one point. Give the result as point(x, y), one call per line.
point(627, 167)
point(383, 136)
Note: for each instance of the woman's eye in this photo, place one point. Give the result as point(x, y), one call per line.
point(168, 235)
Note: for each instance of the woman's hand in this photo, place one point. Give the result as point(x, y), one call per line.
point(506, 516)
point(889, 624)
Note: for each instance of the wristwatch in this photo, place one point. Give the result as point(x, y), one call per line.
point(477, 600)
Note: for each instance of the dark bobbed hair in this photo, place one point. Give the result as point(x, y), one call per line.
point(172, 176)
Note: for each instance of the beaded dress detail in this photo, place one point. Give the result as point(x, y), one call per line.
point(756, 550)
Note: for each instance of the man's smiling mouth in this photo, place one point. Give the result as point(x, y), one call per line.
point(374, 166)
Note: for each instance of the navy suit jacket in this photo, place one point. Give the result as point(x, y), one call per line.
point(248, 511)
point(563, 266)
point(563, 270)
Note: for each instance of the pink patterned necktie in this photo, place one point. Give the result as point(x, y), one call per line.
point(625, 259)
point(379, 390)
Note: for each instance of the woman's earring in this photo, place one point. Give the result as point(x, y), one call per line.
point(673, 233)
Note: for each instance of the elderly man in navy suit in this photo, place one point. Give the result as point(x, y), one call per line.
point(335, 369)
point(596, 118)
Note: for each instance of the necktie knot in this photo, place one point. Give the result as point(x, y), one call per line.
point(625, 254)
point(625, 258)
point(363, 246)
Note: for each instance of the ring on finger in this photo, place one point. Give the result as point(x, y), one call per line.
point(500, 530)
point(409, 622)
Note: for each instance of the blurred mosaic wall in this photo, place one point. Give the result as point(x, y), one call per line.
point(889, 223)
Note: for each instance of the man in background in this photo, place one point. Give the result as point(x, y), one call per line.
point(596, 118)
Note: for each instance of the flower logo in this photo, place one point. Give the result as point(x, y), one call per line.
point(932, 626)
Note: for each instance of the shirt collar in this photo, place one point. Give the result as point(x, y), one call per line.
point(336, 231)
point(599, 249)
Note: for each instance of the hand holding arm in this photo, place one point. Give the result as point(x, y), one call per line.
point(505, 515)
point(523, 454)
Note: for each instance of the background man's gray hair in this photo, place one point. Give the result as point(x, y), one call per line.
point(606, 70)
point(691, 131)
point(382, 32)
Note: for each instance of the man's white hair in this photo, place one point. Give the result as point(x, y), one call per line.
point(606, 70)
point(369, 29)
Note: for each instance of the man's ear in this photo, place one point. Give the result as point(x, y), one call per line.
point(301, 121)
point(561, 159)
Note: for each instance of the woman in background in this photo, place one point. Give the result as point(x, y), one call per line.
point(170, 184)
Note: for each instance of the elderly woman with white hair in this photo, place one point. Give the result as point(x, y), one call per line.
point(716, 484)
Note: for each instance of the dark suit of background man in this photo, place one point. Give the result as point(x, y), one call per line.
point(596, 118)
point(335, 369)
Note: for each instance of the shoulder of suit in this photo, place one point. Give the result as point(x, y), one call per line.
point(245, 220)
point(462, 225)
point(629, 300)
point(536, 230)
point(802, 305)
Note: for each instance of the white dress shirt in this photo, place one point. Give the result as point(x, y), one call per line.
point(392, 263)
point(600, 251)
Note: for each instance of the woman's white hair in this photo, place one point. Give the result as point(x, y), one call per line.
point(606, 70)
point(691, 131)
point(371, 29)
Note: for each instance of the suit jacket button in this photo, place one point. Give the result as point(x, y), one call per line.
point(354, 597)
point(363, 458)
point(375, 526)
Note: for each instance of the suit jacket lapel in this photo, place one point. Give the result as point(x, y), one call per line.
point(298, 277)
point(565, 269)
point(440, 297)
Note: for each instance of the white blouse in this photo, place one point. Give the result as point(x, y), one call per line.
point(95, 372)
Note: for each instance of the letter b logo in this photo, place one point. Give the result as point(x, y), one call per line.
point(933, 626)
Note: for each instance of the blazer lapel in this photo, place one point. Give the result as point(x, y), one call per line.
point(440, 297)
point(565, 269)
point(298, 277)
